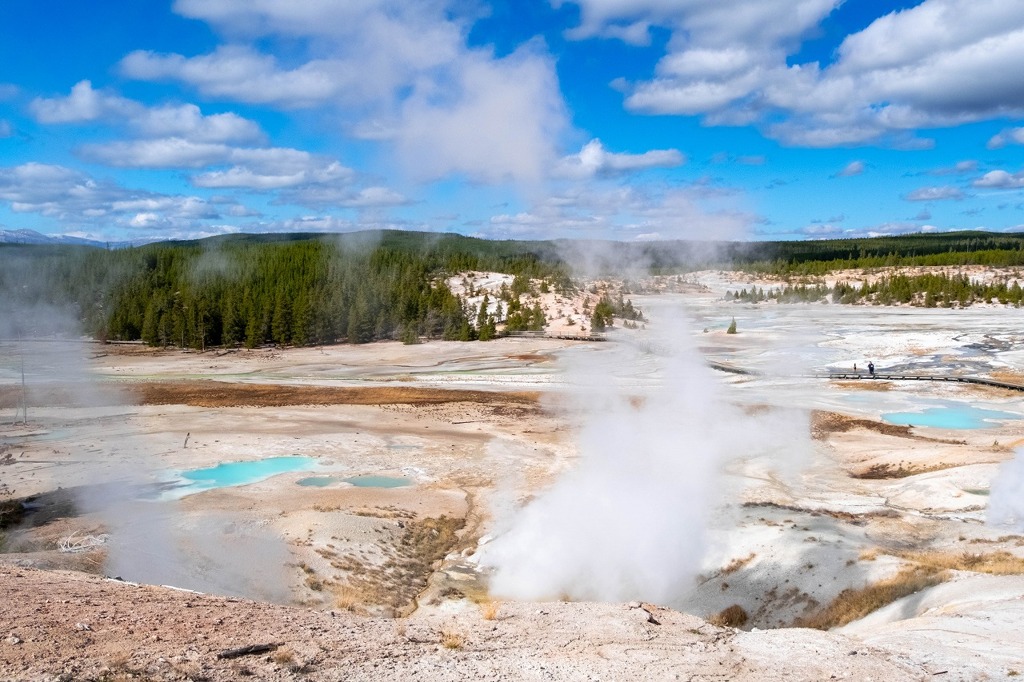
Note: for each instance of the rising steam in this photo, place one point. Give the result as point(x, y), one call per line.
point(1006, 494)
point(150, 540)
point(630, 520)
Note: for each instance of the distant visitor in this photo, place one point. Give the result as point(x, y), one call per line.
point(871, 368)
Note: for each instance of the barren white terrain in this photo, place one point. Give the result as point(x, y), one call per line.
point(348, 582)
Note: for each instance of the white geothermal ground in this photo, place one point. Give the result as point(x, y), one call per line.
point(618, 471)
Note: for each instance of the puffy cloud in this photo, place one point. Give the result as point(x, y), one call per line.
point(851, 169)
point(594, 160)
point(171, 152)
point(1005, 137)
point(940, 63)
point(708, 22)
point(1000, 179)
point(242, 74)
point(274, 168)
point(82, 104)
point(497, 121)
point(934, 194)
point(265, 168)
point(818, 231)
point(375, 197)
point(188, 121)
point(75, 198)
point(395, 72)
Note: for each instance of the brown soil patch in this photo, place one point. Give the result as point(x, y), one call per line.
point(529, 357)
point(860, 385)
point(220, 394)
point(888, 471)
point(223, 394)
point(824, 423)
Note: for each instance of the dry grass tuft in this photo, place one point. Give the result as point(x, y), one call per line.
point(1016, 539)
point(346, 597)
point(489, 609)
point(738, 563)
point(993, 563)
point(869, 554)
point(283, 656)
point(731, 617)
point(853, 605)
point(451, 639)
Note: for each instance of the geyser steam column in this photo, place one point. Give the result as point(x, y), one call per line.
point(630, 521)
point(1006, 494)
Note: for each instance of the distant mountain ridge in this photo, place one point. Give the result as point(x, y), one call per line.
point(24, 236)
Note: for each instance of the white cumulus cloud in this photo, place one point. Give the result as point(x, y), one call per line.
point(594, 160)
point(1000, 179)
point(74, 198)
point(399, 73)
point(940, 63)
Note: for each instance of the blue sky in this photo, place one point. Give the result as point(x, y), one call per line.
point(620, 119)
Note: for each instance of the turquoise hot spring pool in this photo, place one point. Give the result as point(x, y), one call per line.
point(953, 416)
point(242, 473)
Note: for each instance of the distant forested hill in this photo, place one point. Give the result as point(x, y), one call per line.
point(312, 288)
point(255, 289)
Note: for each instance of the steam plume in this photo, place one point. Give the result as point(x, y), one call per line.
point(630, 521)
point(1006, 494)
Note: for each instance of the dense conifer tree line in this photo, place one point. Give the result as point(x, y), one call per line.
point(929, 290)
point(296, 291)
point(304, 289)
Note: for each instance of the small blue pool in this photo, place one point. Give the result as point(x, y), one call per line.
point(950, 417)
point(242, 473)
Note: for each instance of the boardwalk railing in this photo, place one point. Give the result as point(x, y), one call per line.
point(903, 376)
point(882, 376)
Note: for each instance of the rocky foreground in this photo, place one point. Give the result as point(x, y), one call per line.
point(72, 626)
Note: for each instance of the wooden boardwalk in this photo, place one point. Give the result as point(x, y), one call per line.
point(880, 376)
point(902, 376)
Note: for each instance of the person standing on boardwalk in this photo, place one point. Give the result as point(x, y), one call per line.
point(871, 368)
